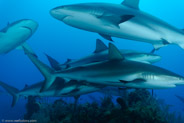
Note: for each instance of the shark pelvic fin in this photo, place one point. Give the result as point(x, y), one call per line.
point(47, 72)
point(114, 53)
point(131, 3)
point(12, 91)
point(54, 63)
point(100, 46)
point(106, 37)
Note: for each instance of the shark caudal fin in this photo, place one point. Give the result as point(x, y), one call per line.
point(12, 91)
point(47, 72)
point(53, 63)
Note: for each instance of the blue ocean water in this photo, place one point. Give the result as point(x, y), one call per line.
point(62, 41)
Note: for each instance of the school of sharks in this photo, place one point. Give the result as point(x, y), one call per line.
point(107, 66)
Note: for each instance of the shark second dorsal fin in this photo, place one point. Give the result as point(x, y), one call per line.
point(114, 53)
point(100, 46)
point(131, 3)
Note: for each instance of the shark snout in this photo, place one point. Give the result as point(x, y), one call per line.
point(58, 13)
point(30, 25)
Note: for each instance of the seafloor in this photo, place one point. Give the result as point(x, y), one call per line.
point(138, 106)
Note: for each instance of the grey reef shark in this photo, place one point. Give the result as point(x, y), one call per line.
point(15, 34)
point(101, 54)
point(116, 71)
point(124, 20)
point(70, 89)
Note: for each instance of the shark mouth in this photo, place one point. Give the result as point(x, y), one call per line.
point(28, 28)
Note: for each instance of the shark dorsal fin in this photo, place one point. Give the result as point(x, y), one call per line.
point(100, 46)
point(68, 61)
point(54, 63)
point(114, 53)
point(131, 3)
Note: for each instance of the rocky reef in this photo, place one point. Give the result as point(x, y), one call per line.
point(139, 106)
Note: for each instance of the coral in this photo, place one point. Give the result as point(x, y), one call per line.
point(32, 107)
point(139, 107)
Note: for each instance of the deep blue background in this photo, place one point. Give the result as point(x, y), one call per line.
point(61, 41)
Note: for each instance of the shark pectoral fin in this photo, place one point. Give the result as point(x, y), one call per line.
point(15, 99)
point(164, 41)
point(72, 92)
point(100, 46)
point(131, 3)
point(54, 63)
point(157, 46)
point(114, 53)
point(106, 37)
point(58, 84)
point(139, 80)
point(67, 66)
point(125, 18)
point(114, 21)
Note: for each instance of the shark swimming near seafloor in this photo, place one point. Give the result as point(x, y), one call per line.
point(70, 89)
point(101, 54)
point(116, 71)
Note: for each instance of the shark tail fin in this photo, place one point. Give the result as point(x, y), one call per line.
point(54, 63)
point(12, 91)
point(47, 72)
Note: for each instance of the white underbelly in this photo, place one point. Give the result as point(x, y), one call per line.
point(12, 40)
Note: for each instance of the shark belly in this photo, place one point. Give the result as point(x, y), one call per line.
point(13, 39)
point(129, 30)
point(149, 85)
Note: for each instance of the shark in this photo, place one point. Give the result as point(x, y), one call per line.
point(71, 89)
point(15, 34)
point(116, 71)
point(124, 20)
point(101, 54)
